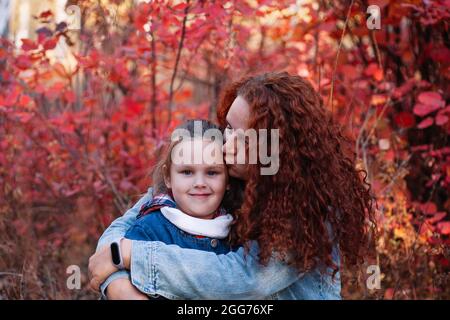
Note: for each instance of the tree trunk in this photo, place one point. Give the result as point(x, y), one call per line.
point(5, 13)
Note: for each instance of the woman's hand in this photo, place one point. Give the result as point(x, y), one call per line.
point(101, 266)
point(123, 289)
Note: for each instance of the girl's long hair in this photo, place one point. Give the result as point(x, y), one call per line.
point(317, 198)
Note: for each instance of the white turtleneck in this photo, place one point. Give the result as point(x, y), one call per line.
point(218, 227)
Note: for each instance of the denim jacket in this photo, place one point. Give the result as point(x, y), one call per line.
point(179, 273)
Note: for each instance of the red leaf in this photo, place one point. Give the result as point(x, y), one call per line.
point(404, 119)
point(24, 117)
point(440, 54)
point(24, 100)
point(424, 109)
point(444, 262)
point(23, 62)
point(445, 110)
point(444, 227)
point(69, 96)
point(55, 90)
point(389, 294)
point(441, 119)
point(141, 19)
point(28, 44)
point(183, 95)
point(180, 7)
point(327, 26)
point(404, 89)
point(3, 53)
point(67, 128)
point(374, 71)
point(46, 14)
point(380, 3)
point(50, 44)
point(378, 75)
point(133, 108)
point(438, 216)
point(423, 147)
point(428, 208)
point(116, 117)
point(12, 97)
point(431, 98)
point(425, 123)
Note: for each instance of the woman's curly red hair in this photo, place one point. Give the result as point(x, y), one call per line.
point(317, 187)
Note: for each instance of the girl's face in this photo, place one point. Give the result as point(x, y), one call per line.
point(198, 187)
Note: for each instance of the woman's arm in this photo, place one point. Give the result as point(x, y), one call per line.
point(114, 232)
point(119, 227)
point(177, 273)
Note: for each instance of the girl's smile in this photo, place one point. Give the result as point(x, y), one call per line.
point(200, 195)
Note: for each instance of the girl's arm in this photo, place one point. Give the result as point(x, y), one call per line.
point(117, 230)
point(177, 273)
point(122, 289)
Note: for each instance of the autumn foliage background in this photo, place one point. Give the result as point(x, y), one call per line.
point(77, 140)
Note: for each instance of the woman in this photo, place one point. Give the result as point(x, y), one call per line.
point(297, 226)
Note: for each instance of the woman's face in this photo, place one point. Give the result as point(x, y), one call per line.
point(237, 118)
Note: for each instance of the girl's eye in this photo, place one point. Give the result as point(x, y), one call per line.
point(213, 173)
point(186, 172)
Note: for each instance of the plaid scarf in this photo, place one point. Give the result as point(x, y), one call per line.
point(165, 200)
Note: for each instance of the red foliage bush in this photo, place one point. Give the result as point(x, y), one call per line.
point(79, 136)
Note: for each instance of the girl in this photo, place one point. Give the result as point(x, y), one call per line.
point(192, 199)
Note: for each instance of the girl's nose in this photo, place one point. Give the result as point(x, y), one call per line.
point(199, 181)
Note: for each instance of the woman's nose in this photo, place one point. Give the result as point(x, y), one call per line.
point(229, 146)
point(229, 151)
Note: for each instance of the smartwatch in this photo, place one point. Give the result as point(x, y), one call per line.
point(116, 255)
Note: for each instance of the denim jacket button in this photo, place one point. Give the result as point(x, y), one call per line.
point(213, 243)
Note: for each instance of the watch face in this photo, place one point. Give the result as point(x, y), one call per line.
point(115, 253)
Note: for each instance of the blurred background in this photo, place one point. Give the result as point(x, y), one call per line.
point(90, 88)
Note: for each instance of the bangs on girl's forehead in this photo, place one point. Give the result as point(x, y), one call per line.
point(197, 151)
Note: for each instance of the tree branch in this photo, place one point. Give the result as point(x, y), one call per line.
point(330, 100)
point(177, 61)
